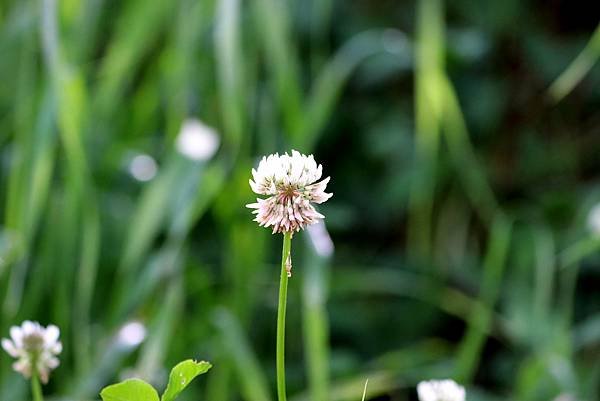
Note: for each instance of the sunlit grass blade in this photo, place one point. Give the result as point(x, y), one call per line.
point(365, 390)
point(575, 72)
point(429, 62)
point(230, 67)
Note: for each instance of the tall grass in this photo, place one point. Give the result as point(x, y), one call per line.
point(465, 263)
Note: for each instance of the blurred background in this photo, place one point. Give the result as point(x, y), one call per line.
point(462, 241)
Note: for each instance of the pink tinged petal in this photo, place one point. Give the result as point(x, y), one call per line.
point(10, 348)
point(23, 367)
point(52, 362)
point(44, 373)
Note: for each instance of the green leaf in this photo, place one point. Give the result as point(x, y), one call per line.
point(129, 390)
point(182, 375)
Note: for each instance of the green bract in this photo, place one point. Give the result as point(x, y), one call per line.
point(138, 390)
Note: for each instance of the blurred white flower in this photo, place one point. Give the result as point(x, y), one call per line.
point(143, 167)
point(290, 182)
point(593, 220)
point(197, 140)
point(440, 390)
point(132, 334)
point(35, 347)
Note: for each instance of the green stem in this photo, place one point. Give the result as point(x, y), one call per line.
point(283, 283)
point(36, 387)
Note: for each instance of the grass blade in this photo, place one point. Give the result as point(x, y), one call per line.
point(479, 322)
point(575, 72)
point(428, 111)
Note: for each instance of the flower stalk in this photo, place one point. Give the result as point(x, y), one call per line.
point(36, 388)
point(286, 272)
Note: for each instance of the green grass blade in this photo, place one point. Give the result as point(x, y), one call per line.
point(544, 273)
point(315, 322)
point(575, 72)
point(230, 64)
point(272, 23)
point(470, 170)
point(428, 111)
point(139, 25)
point(253, 383)
point(480, 319)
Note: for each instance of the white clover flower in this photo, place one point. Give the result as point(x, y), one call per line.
point(35, 347)
point(290, 182)
point(440, 390)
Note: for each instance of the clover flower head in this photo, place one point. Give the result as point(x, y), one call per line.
point(440, 390)
point(291, 184)
point(35, 347)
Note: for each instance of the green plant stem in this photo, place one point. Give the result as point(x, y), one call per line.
point(283, 283)
point(36, 388)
